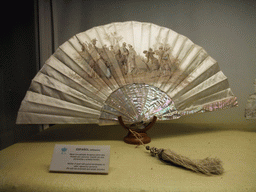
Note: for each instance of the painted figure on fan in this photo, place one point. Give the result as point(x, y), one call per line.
point(131, 65)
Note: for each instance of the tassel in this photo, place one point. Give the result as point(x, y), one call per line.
point(207, 166)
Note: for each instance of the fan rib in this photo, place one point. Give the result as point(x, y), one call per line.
point(156, 102)
point(118, 55)
point(37, 108)
point(174, 48)
point(92, 71)
point(121, 100)
point(154, 40)
point(62, 90)
point(31, 118)
point(116, 67)
point(224, 103)
point(218, 96)
point(208, 68)
point(189, 64)
point(114, 112)
point(70, 63)
point(53, 102)
point(76, 57)
point(161, 79)
point(213, 80)
point(216, 83)
point(66, 72)
point(103, 88)
point(100, 65)
point(116, 83)
point(178, 73)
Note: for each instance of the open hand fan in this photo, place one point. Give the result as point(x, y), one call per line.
point(132, 70)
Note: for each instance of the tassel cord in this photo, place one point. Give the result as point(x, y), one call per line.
point(207, 166)
point(137, 136)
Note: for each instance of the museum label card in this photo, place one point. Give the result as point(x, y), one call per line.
point(80, 158)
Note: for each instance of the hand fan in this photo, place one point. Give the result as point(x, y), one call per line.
point(132, 70)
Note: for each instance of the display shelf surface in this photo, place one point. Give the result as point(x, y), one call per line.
point(25, 166)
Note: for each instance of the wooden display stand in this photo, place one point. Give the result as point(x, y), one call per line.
point(131, 139)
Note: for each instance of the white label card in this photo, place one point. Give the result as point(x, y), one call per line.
point(80, 158)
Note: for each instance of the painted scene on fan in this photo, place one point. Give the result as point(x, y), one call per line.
point(153, 63)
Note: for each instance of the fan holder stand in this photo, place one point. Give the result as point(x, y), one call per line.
point(142, 136)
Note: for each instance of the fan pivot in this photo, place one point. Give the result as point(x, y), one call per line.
point(141, 133)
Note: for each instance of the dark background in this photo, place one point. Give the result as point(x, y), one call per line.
point(17, 67)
